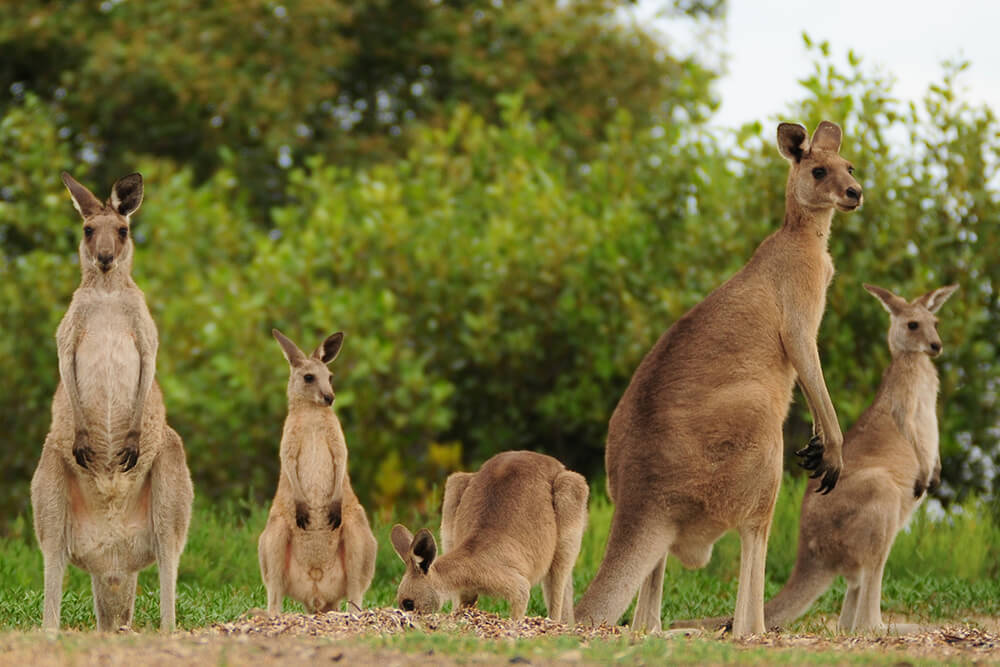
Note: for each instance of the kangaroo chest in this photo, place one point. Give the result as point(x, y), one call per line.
point(316, 466)
point(107, 368)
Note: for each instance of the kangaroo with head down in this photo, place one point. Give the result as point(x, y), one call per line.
point(317, 546)
point(112, 492)
point(694, 447)
point(516, 522)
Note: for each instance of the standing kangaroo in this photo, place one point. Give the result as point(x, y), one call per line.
point(317, 546)
point(891, 457)
point(695, 445)
point(516, 522)
point(112, 492)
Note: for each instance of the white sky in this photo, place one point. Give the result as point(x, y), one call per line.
point(765, 56)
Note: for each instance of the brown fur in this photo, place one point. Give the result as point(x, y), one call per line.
point(317, 546)
point(891, 458)
point(695, 445)
point(112, 492)
point(516, 522)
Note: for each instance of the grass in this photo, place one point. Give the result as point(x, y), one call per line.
point(938, 570)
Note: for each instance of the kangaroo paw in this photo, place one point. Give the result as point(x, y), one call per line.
point(812, 460)
point(333, 517)
point(82, 452)
point(301, 516)
point(918, 488)
point(129, 454)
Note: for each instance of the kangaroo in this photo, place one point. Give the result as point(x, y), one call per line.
point(516, 522)
point(317, 546)
point(891, 457)
point(112, 492)
point(694, 446)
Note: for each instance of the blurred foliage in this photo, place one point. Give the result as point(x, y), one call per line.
point(497, 285)
point(276, 81)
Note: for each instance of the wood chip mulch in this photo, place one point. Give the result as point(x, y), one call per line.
point(942, 642)
point(387, 621)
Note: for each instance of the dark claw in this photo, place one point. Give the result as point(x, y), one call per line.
point(933, 485)
point(83, 456)
point(334, 515)
point(812, 454)
point(918, 488)
point(829, 481)
point(301, 516)
point(127, 457)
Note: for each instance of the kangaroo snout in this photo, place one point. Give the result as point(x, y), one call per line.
point(936, 349)
point(854, 193)
point(406, 605)
point(105, 258)
point(328, 399)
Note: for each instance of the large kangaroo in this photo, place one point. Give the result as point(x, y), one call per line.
point(695, 445)
point(516, 522)
point(317, 546)
point(891, 457)
point(112, 492)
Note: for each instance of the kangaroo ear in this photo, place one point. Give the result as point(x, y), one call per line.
point(424, 549)
point(401, 540)
point(793, 142)
point(291, 351)
point(934, 300)
point(84, 200)
point(330, 348)
point(126, 194)
point(827, 137)
point(892, 303)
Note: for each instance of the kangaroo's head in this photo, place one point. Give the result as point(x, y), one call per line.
point(912, 325)
point(417, 590)
point(819, 178)
point(309, 380)
point(106, 245)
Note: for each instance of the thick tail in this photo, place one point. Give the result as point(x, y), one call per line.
point(801, 590)
point(634, 547)
point(803, 587)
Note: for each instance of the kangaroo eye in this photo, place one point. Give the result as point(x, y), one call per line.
point(850, 169)
point(88, 231)
point(308, 377)
point(819, 172)
point(123, 233)
point(913, 326)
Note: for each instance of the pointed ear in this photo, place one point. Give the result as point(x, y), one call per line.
point(401, 540)
point(330, 348)
point(793, 142)
point(126, 194)
point(83, 199)
point(890, 301)
point(424, 549)
point(934, 300)
point(827, 137)
point(291, 351)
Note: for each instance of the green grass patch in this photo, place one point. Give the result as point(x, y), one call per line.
point(945, 569)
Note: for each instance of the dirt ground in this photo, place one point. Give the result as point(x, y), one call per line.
point(345, 638)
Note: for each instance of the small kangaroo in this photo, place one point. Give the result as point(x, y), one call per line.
point(516, 522)
point(112, 492)
point(891, 457)
point(317, 546)
point(694, 447)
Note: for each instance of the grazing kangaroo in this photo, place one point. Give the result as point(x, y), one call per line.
point(112, 492)
point(516, 522)
point(695, 445)
point(317, 546)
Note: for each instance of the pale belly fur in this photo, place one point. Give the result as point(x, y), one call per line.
point(316, 568)
point(316, 472)
point(110, 529)
point(107, 377)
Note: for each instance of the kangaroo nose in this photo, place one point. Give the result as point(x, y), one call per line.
point(407, 605)
point(105, 257)
point(936, 347)
point(328, 398)
point(854, 193)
